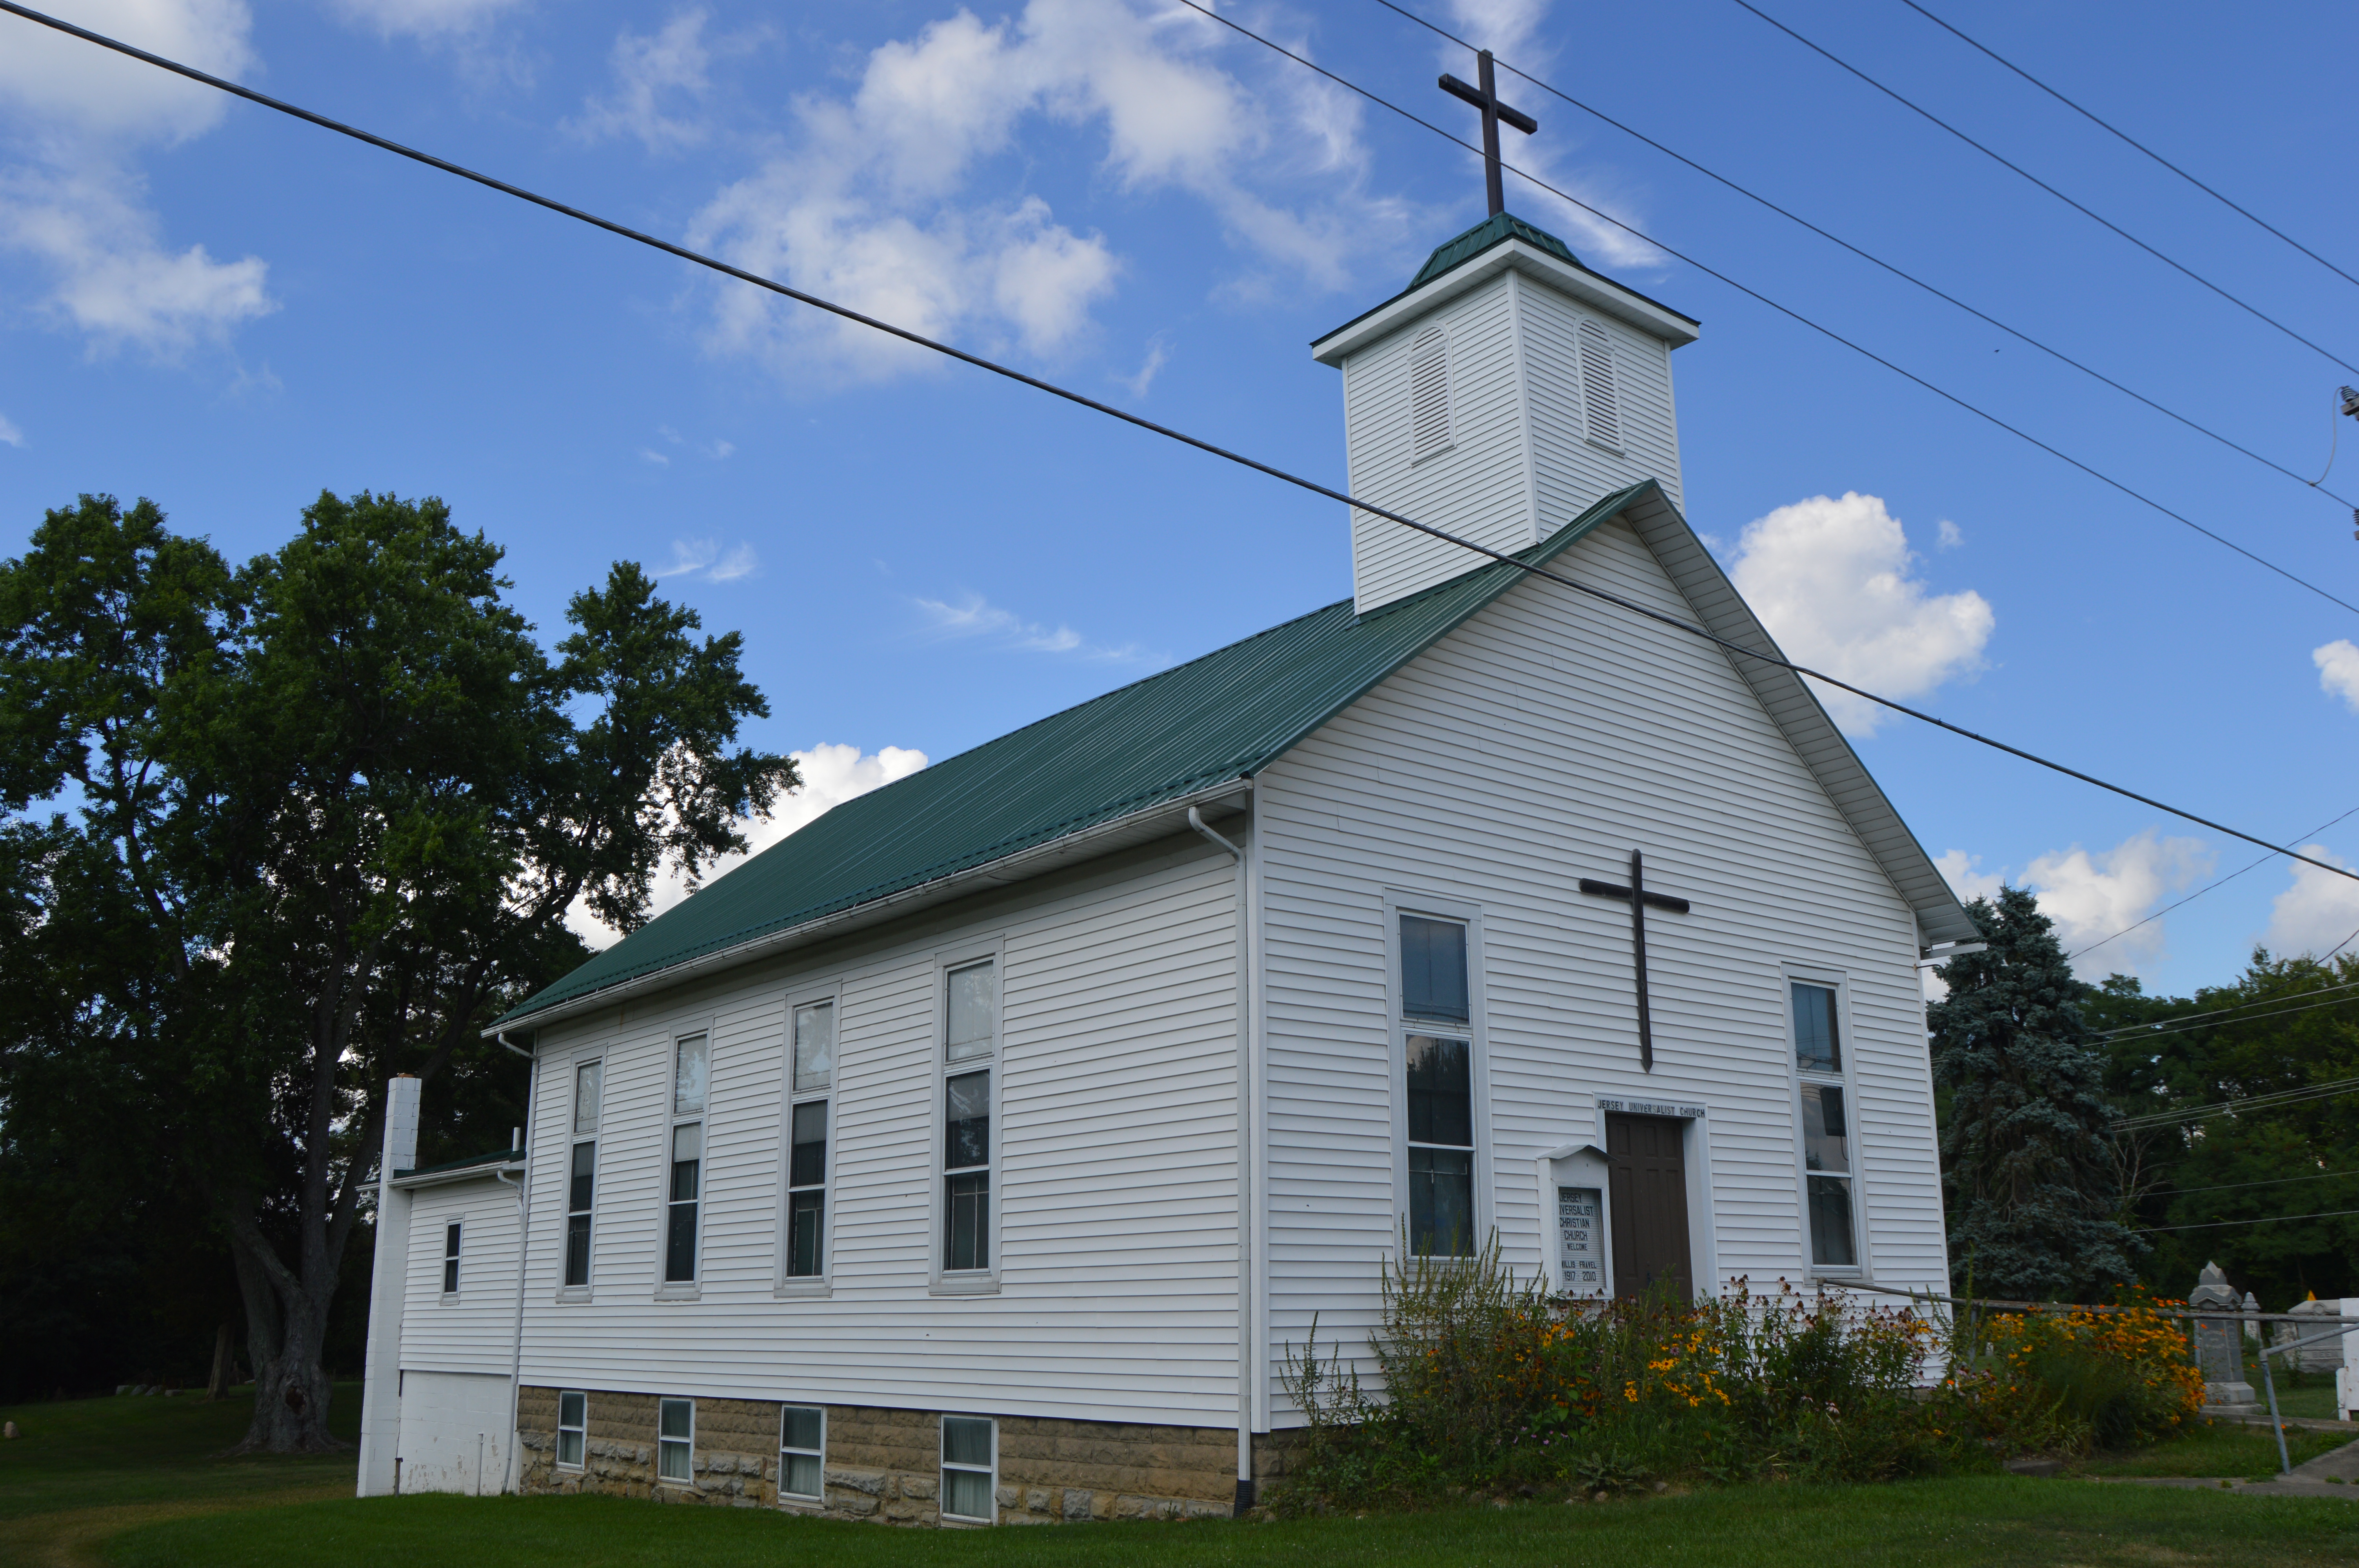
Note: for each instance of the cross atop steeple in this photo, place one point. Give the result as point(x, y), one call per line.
point(1486, 98)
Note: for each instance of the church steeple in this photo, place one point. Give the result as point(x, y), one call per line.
point(1497, 397)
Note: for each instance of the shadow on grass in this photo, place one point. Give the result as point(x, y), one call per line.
point(1961, 1523)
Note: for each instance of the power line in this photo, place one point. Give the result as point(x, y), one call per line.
point(1791, 216)
point(2236, 1186)
point(2015, 430)
point(2168, 1025)
point(2250, 1103)
point(2199, 892)
point(2156, 1033)
point(961, 355)
point(2265, 1219)
point(2043, 185)
point(2133, 140)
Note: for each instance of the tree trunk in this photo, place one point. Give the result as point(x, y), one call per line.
point(285, 1325)
point(224, 1362)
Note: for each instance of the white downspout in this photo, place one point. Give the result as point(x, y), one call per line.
point(1245, 1497)
point(511, 1475)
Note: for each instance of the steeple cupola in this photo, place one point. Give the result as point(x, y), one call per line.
point(1496, 397)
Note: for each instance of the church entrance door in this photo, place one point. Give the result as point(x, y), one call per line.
point(1650, 1180)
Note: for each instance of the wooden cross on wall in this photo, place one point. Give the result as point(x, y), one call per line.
point(1638, 898)
point(1486, 98)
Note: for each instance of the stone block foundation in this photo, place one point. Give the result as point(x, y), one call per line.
point(886, 1465)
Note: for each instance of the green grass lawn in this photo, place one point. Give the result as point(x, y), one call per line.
point(2216, 1449)
point(1964, 1523)
point(137, 1483)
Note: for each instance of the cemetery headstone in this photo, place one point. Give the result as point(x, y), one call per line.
point(2219, 1346)
point(2326, 1354)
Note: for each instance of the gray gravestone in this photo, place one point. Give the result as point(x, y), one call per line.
point(2325, 1355)
point(2219, 1346)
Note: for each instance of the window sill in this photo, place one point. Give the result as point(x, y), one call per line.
point(687, 1290)
point(573, 1292)
point(956, 1285)
point(450, 1298)
point(1441, 452)
point(807, 1289)
point(803, 1505)
point(1602, 446)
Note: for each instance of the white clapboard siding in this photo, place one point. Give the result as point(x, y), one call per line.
point(1116, 1130)
point(1573, 472)
point(1538, 744)
point(1477, 487)
point(475, 1331)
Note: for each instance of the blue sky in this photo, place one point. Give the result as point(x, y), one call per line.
point(226, 311)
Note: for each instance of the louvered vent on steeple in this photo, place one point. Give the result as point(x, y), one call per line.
point(1598, 397)
point(1428, 394)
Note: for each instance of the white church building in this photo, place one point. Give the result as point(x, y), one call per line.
point(977, 1153)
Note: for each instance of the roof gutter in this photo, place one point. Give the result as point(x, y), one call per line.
point(1100, 839)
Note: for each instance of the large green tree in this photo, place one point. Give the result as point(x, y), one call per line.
point(309, 823)
point(2028, 1161)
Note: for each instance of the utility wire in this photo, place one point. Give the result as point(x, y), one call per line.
point(2199, 892)
point(2241, 1017)
point(1788, 311)
point(2133, 140)
point(2043, 185)
point(2249, 1103)
point(2163, 1025)
point(2265, 1219)
point(1312, 486)
point(2236, 1187)
point(1874, 260)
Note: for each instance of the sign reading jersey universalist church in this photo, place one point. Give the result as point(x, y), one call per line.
point(1580, 1242)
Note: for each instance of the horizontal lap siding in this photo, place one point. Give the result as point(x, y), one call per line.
point(1476, 489)
point(1536, 745)
point(475, 1333)
point(1574, 473)
point(1115, 1123)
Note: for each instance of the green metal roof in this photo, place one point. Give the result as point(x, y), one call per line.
point(1497, 229)
point(501, 1157)
point(1222, 717)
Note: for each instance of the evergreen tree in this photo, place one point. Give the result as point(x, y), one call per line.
point(2026, 1162)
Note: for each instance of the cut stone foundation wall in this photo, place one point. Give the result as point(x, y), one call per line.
point(886, 1465)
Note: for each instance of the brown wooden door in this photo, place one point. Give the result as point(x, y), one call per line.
point(1649, 1182)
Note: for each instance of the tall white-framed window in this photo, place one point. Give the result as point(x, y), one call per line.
point(684, 1175)
point(970, 1468)
point(1434, 954)
point(803, 1454)
point(1428, 394)
point(572, 1428)
point(581, 1171)
point(811, 1080)
point(452, 1235)
point(966, 1227)
point(1824, 1125)
point(1601, 398)
point(676, 1441)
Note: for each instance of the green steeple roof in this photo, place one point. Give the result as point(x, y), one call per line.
point(1222, 717)
point(1497, 229)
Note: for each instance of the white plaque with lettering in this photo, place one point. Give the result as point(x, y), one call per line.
point(1580, 1242)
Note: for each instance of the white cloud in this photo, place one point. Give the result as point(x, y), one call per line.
point(1946, 532)
point(648, 454)
point(690, 556)
point(2091, 897)
point(71, 202)
point(831, 774)
point(2317, 913)
point(1958, 869)
point(434, 20)
point(9, 434)
point(651, 70)
point(1830, 579)
point(880, 204)
point(2338, 670)
point(975, 617)
point(1157, 355)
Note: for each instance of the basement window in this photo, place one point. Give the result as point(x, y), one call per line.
point(803, 1454)
point(676, 1441)
point(970, 1467)
point(572, 1427)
